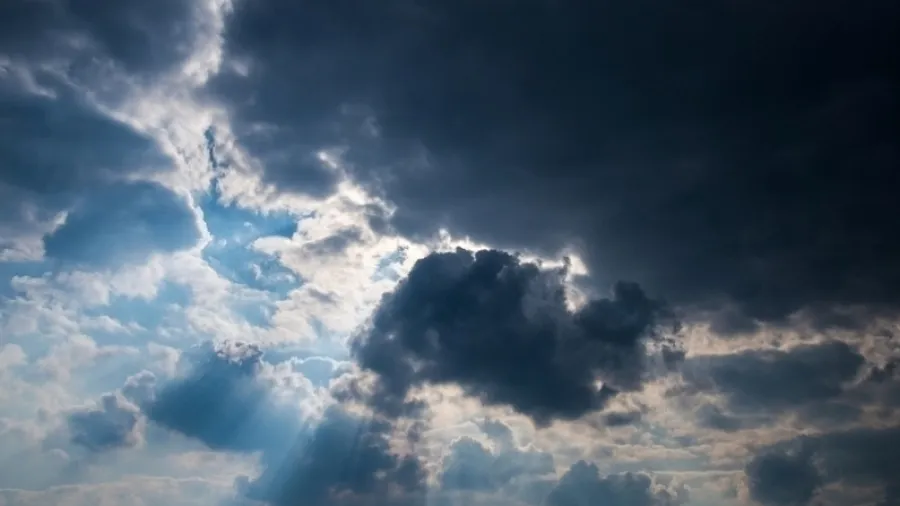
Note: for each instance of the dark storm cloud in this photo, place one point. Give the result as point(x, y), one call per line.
point(500, 329)
point(582, 484)
point(141, 37)
point(737, 152)
point(226, 401)
point(794, 472)
point(760, 382)
point(113, 424)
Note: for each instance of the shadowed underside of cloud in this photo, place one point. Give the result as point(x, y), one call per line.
point(795, 472)
point(123, 223)
point(468, 465)
point(223, 401)
point(342, 455)
point(757, 384)
point(56, 151)
point(113, 424)
point(59, 154)
point(582, 485)
point(731, 153)
point(229, 399)
point(140, 37)
point(500, 328)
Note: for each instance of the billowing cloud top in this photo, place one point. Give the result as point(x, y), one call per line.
point(531, 252)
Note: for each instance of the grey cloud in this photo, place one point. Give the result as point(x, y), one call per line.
point(783, 479)
point(60, 154)
point(113, 424)
point(582, 484)
point(140, 388)
point(737, 154)
point(342, 454)
point(123, 223)
point(59, 150)
point(795, 472)
point(225, 399)
point(759, 382)
point(335, 243)
point(710, 416)
point(222, 401)
point(468, 465)
point(143, 38)
point(500, 329)
point(622, 418)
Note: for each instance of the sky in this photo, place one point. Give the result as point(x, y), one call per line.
point(440, 253)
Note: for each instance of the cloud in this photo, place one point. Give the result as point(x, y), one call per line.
point(56, 150)
point(140, 39)
point(468, 465)
point(148, 490)
point(123, 223)
point(343, 454)
point(114, 424)
point(765, 382)
point(232, 253)
point(500, 329)
point(224, 400)
point(796, 471)
point(68, 174)
point(232, 400)
point(682, 148)
point(782, 479)
point(140, 388)
point(582, 484)
point(735, 160)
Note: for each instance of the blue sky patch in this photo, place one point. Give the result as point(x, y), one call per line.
point(231, 253)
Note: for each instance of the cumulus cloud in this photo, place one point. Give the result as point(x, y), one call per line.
point(501, 329)
point(468, 465)
point(343, 454)
point(140, 388)
point(224, 400)
point(583, 484)
point(115, 423)
point(231, 399)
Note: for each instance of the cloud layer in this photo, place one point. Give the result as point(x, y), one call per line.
point(439, 252)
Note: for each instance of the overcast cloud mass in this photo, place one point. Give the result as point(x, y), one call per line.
point(409, 252)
